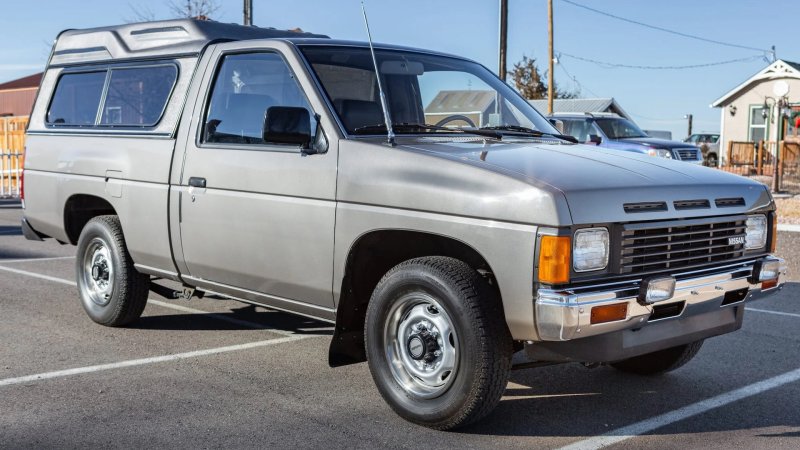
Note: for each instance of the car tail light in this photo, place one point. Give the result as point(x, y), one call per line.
point(554, 259)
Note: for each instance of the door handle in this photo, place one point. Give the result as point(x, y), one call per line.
point(197, 182)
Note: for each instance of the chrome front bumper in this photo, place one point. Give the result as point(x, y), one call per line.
point(563, 315)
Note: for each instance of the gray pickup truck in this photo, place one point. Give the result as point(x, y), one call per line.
point(257, 164)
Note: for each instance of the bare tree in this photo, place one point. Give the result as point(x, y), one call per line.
point(532, 84)
point(179, 9)
point(198, 9)
point(140, 14)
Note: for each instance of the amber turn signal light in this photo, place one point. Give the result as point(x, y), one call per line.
point(773, 244)
point(554, 259)
point(609, 313)
point(769, 284)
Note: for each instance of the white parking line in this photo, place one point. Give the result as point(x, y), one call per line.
point(23, 260)
point(788, 227)
point(153, 360)
point(646, 426)
point(778, 313)
point(217, 316)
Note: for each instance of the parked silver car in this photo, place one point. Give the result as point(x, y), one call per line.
point(708, 144)
point(258, 164)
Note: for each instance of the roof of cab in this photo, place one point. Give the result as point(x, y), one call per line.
point(154, 40)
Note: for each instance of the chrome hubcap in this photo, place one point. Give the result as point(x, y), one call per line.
point(98, 272)
point(421, 345)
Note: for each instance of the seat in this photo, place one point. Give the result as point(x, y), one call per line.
point(358, 113)
point(241, 115)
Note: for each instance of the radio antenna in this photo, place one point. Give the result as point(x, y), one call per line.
point(384, 105)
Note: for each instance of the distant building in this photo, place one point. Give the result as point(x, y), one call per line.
point(581, 105)
point(748, 112)
point(16, 96)
point(475, 105)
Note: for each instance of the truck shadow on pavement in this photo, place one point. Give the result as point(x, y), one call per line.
point(246, 317)
point(8, 230)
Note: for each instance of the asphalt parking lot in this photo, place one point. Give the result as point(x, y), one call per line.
point(217, 373)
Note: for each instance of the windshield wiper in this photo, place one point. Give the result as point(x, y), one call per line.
point(412, 127)
point(530, 132)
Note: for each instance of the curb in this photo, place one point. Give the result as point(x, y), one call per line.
point(789, 227)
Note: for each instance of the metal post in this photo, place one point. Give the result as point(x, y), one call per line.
point(689, 117)
point(248, 13)
point(503, 38)
point(550, 81)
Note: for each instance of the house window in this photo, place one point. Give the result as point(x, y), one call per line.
point(758, 124)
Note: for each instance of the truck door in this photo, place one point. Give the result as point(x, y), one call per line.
point(255, 218)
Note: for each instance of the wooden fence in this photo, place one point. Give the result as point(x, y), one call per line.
point(12, 154)
point(757, 160)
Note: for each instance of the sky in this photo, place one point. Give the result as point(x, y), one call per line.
point(657, 99)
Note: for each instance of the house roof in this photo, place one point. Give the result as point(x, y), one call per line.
point(776, 70)
point(581, 105)
point(460, 101)
point(31, 81)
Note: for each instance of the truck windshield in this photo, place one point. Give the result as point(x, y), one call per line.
point(619, 128)
point(440, 93)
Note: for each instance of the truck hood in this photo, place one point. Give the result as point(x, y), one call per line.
point(656, 143)
point(601, 185)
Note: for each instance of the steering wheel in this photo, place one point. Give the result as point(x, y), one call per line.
point(454, 118)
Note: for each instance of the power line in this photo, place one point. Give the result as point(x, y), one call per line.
point(633, 66)
point(575, 80)
point(666, 30)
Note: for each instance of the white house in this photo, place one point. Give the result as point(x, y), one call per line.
point(764, 107)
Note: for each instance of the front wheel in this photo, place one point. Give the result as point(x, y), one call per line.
point(112, 291)
point(659, 362)
point(437, 343)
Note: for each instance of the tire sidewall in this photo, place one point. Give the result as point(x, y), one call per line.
point(457, 396)
point(109, 312)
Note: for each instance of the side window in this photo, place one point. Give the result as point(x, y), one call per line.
point(579, 129)
point(246, 85)
point(137, 97)
point(77, 99)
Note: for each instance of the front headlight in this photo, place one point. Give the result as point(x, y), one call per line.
point(660, 153)
point(756, 232)
point(590, 249)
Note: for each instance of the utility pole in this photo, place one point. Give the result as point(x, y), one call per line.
point(503, 38)
point(551, 59)
point(248, 13)
point(689, 117)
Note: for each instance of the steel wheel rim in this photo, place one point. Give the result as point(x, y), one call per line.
point(98, 272)
point(418, 324)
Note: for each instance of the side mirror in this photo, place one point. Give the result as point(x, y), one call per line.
point(595, 139)
point(287, 125)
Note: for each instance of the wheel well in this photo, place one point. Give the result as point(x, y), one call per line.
point(369, 259)
point(79, 210)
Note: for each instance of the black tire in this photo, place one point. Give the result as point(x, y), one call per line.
point(480, 340)
point(112, 291)
point(711, 160)
point(660, 362)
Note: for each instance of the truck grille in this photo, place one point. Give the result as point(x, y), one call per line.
point(687, 154)
point(659, 246)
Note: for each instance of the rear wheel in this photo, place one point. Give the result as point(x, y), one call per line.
point(711, 160)
point(112, 291)
point(437, 343)
point(659, 362)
